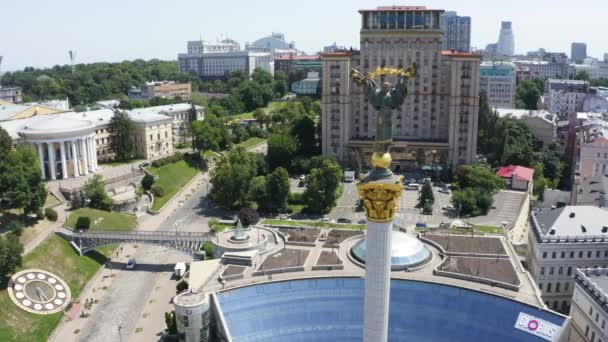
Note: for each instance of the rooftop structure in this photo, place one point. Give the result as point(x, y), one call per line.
point(274, 42)
point(517, 177)
point(21, 111)
point(578, 223)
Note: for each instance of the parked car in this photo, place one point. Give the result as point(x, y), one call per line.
point(445, 190)
point(344, 220)
point(421, 225)
point(412, 186)
point(144, 164)
point(449, 208)
point(302, 177)
point(131, 264)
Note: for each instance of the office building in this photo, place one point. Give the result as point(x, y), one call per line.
point(162, 89)
point(307, 86)
point(498, 80)
point(10, 94)
point(563, 97)
point(578, 52)
point(506, 41)
point(456, 32)
point(589, 311)
point(437, 122)
point(213, 61)
point(594, 158)
point(560, 241)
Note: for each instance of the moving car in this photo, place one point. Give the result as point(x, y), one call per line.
point(131, 264)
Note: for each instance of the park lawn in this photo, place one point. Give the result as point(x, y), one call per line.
point(489, 229)
point(55, 255)
point(219, 227)
point(111, 220)
point(296, 208)
point(251, 142)
point(171, 177)
point(313, 224)
point(50, 200)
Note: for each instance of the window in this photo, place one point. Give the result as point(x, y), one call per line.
point(589, 254)
point(580, 254)
point(542, 271)
point(548, 287)
point(572, 255)
point(557, 286)
point(540, 286)
point(597, 317)
point(563, 255)
point(553, 255)
point(587, 331)
point(151, 137)
point(603, 323)
point(597, 254)
point(544, 255)
point(566, 286)
point(166, 134)
point(569, 270)
point(551, 270)
point(560, 270)
point(590, 310)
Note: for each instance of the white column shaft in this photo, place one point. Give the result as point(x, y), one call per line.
point(83, 155)
point(94, 152)
point(74, 158)
point(41, 158)
point(51, 151)
point(64, 166)
point(377, 281)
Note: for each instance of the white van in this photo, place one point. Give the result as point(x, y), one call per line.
point(349, 176)
point(412, 186)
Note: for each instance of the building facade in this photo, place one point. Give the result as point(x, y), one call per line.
point(506, 40)
point(498, 80)
point(563, 97)
point(162, 89)
point(11, 94)
point(456, 32)
point(560, 241)
point(437, 122)
point(549, 65)
point(307, 86)
point(589, 311)
point(289, 62)
point(215, 61)
point(594, 158)
point(578, 52)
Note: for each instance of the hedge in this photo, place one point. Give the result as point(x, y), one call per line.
point(83, 222)
point(50, 214)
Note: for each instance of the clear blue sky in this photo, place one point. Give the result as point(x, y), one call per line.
point(40, 32)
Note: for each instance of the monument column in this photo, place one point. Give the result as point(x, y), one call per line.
point(380, 200)
point(74, 158)
point(41, 157)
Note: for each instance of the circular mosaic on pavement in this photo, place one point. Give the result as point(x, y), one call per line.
point(39, 291)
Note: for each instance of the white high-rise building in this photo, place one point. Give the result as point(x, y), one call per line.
point(506, 41)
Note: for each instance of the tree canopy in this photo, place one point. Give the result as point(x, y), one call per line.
point(323, 188)
point(527, 94)
point(122, 130)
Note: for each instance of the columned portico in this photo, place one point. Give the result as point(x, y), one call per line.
point(68, 141)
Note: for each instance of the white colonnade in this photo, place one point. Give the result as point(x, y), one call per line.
point(70, 157)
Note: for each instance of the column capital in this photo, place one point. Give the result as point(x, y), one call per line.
point(380, 199)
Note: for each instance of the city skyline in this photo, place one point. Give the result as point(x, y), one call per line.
point(131, 31)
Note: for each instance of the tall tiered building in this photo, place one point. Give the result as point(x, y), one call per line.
point(437, 124)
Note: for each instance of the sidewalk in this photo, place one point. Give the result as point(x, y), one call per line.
point(61, 217)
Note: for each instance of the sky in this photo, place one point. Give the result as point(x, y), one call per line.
point(40, 33)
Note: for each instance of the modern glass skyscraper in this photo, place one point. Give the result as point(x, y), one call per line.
point(506, 41)
point(578, 52)
point(456, 32)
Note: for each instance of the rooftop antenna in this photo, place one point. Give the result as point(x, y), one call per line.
point(72, 59)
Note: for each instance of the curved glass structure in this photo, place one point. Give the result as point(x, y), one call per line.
point(331, 309)
point(406, 251)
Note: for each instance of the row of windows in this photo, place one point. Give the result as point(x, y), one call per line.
point(158, 136)
point(558, 287)
point(572, 254)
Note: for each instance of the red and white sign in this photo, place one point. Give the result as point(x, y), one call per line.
point(537, 326)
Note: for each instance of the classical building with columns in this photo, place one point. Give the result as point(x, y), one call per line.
point(70, 144)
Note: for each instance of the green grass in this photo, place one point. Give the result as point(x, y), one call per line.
point(172, 177)
point(313, 224)
point(211, 154)
point(111, 220)
point(218, 227)
point(57, 256)
point(50, 200)
point(296, 208)
point(117, 163)
point(489, 229)
point(249, 143)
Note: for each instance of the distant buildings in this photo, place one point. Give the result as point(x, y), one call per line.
point(307, 86)
point(289, 62)
point(595, 69)
point(542, 124)
point(456, 32)
point(578, 52)
point(10, 94)
point(438, 121)
point(563, 97)
point(560, 241)
point(506, 41)
point(498, 80)
point(594, 158)
point(333, 48)
point(215, 60)
point(589, 310)
point(551, 65)
point(162, 89)
point(275, 44)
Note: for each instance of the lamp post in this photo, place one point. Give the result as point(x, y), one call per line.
point(119, 333)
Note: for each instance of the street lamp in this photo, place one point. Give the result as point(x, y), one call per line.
point(119, 334)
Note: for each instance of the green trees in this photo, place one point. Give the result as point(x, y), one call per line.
point(281, 150)
point(20, 179)
point(232, 177)
point(121, 129)
point(277, 189)
point(147, 182)
point(5, 143)
point(96, 196)
point(426, 197)
point(209, 135)
point(476, 185)
point(323, 187)
point(10, 254)
point(527, 94)
point(305, 134)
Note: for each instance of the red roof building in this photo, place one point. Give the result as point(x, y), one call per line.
point(517, 177)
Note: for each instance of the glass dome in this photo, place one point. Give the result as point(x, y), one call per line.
point(406, 251)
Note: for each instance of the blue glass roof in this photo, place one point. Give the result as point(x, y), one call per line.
point(331, 309)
